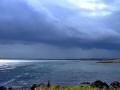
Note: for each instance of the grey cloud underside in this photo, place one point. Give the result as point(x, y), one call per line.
point(49, 51)
point(20, 23)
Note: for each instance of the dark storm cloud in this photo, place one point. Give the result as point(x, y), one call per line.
point(23, 24)
point(57, 23)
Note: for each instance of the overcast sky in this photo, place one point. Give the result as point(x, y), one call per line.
point(59, 28)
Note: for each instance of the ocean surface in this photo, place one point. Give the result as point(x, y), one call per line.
point(58, 72)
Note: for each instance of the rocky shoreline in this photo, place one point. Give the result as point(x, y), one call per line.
point(97, 85)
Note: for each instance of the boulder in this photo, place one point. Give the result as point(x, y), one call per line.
point(3, 88)
point(10, 88)
point(115, 84)
point(34, 86)
point(99, 84)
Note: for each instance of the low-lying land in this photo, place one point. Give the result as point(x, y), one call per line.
point(110, 61)
point(97, 85)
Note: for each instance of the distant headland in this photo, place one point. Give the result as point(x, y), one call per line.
point(110, 61)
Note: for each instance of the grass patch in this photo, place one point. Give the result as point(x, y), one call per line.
point(72, 88)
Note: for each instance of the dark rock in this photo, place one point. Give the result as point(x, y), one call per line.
point(3, 88)
point(10, 88)
point(99, 84)
point(115, 84)
point(49, 84)
point(34, 86)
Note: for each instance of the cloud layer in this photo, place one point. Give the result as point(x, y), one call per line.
point(69, 26)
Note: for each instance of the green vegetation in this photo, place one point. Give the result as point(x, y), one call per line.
point(110, 61)
point(97, 85)
point(74, 88)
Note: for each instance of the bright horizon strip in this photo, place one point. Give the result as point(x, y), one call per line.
point(13, 61)
point(2, 61)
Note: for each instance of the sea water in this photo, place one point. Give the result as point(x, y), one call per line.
point(62, 72)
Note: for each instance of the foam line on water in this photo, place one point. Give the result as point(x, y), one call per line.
point(11, 80)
